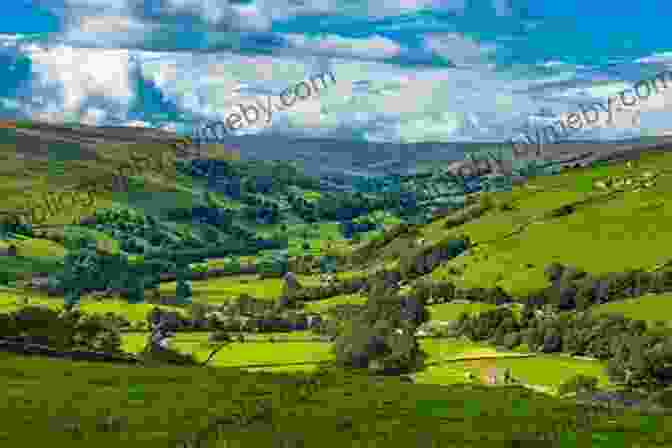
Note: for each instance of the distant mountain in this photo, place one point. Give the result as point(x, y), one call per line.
point(335, 160)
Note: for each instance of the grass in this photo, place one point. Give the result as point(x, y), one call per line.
point(220, 289)
point(322, 306)
point(451, 311)
point(10, 301)
point(593, 237)
point(160, 406)
point(24, 267)
point(543, 370)
point(35, 247)
point(650, 308)
point(240, 353)
point(438, 349)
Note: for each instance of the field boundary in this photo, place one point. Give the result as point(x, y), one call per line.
point(482, 357)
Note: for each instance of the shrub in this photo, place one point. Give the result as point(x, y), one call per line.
point(578, 383)
point(663, 398)
point(512, 340)
point(554, 271)
point(219, 336)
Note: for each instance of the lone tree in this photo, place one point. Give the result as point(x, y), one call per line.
point(183, 289)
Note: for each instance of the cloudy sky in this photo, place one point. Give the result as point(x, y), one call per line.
point(405, 71)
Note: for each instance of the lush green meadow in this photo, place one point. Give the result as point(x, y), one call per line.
point(451, 311)
point(76, 404)
point(220, 289)
point(630, 219)
point(650, 308)
point(237, 354)
point(321, 306)
point(11, 300)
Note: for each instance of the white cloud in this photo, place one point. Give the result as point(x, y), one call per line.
point(457, 48)
point(67, 77)
point(376, 47)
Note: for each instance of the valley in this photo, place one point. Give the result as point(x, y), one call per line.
point(265, 309)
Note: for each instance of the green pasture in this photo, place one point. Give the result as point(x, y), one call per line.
point(149, 407)
point(650, 308)
point(546, 371)
point(240, 353)
point(222, 288)
point(11, 300)
point(322, 306)
point(35, 247)
point(514, 247)
point(451, 311)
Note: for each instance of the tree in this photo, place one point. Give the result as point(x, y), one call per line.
point(552, 341)
point(72, 298)
point(512, 340)
point(136, 290)
point(183, 291)
point(578, 383)
point(183, 288)
point(198, 313)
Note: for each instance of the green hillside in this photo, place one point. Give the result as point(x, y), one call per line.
point(502, 282)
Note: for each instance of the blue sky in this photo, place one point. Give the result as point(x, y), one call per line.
point(405, 71)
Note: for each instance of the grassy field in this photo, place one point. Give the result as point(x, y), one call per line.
point(35, 247)
point(650, 308)
point(10, 300)
point(240, 353)
point(157, 407)
point(451, 311)
point(629, 219)
point(548, 371)
point(607, 231)
point(219, 289)
point(322, 306)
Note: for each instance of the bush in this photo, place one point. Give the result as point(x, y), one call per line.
point(554, 271)
point(512, 340)
point(578, 383)
point(219, 336)
point(663, 398)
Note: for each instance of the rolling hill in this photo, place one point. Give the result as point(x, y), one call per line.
point(597, 219)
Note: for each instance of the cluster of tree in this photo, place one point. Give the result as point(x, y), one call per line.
point(469, 213)
point(381, 337)
point(85, 269)
point(244, 315)
point(364, 253)
point(62, 330)
point(262, 211)
point(446, 291)
point(349, 228)
point(273, 265)
point(347, 286)
point(343, 206)
point(638, 356)
point(11, 224)
point(214, 216)
point(378, 184)
point(420, 260)
point(572, 288)
point(241, 178)
point(135, 232)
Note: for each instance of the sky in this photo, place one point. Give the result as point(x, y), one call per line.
point(404, 71)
